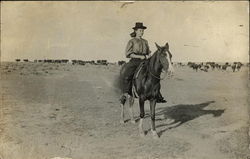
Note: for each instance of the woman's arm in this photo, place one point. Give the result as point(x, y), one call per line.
point(137, 56)
point(129, 49)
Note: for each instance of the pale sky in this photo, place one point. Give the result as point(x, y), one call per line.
point(196, 31)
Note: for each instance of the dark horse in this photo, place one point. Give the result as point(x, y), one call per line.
point(146, 85)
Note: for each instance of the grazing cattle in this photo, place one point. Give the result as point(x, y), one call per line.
point(238, 67)
point(239, 64)
point(74, 62)
point(234, 67)
point(18, 60)
point(65, 61)
point(224, 67)
point(195, 66)
point(211, 64)
point(102, 62)
point(189, 63)
point(218, 66)
point(121, 62)
point(92, 62)
point(78, 62)
point(25, 60)
point(48, 61)
point(58, 61)
point(204, 68)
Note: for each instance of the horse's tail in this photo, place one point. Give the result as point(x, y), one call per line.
point(118, 81)
point(118, 84)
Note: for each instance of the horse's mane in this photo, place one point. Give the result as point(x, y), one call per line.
point(152, 60)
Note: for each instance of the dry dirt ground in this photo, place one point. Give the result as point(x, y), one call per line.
point(61, 110)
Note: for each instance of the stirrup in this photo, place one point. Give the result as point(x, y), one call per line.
point(161, 100)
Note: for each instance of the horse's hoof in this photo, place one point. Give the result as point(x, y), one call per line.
point(133, 121)
point(155, 135)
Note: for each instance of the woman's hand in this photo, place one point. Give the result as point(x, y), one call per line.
point(143, 57)
point(138, 56)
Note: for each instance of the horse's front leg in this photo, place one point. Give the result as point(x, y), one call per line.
point(131, 103)
point(152, 113)
point(142, 114)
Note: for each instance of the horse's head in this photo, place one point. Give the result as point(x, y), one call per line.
point(165, 58)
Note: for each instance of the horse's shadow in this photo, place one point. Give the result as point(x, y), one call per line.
point(181, 114)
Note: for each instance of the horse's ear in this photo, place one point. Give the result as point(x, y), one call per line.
point(167, 46)
point(158, 47)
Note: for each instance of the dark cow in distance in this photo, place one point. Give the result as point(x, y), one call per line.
point(236, 66)
point(194, 66)
point(121, 62)
point(102, 62)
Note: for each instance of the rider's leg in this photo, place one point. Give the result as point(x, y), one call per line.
point(128, 74)
point(160, 98)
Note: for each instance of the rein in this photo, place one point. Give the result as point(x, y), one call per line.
point(155, 75)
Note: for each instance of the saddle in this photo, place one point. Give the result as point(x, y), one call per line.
point(136, 74)
point(138, 70)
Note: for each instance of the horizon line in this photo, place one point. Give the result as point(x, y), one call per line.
point(70, 60)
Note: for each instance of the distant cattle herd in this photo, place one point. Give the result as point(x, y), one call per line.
point(203, 66)
point(73, 62)
point(206, 66)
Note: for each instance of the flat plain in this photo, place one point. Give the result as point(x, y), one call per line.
point(64, 110)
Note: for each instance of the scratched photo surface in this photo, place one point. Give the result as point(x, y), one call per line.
point(60, 65)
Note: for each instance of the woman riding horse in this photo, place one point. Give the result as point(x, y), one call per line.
point(138, 50)
point(146, 85)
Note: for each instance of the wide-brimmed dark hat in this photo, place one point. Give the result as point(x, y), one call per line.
point(139, 25)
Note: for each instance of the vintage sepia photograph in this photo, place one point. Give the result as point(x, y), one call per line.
point(124, 80)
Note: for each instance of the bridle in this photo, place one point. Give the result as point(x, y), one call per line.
point(155, 76)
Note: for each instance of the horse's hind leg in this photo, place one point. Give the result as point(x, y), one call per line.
point(152, 112)
point(123, 101)
point(142, 114)
point(131, 103)
point(122, 114)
